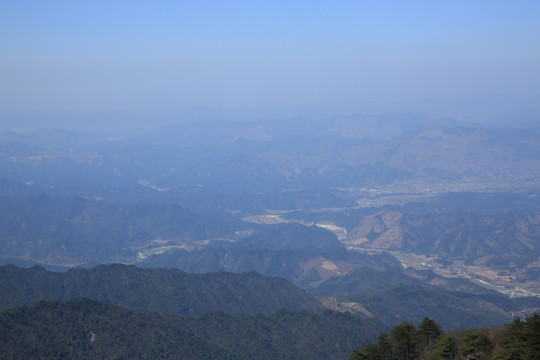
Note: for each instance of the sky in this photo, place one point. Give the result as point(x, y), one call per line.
point(166, 56)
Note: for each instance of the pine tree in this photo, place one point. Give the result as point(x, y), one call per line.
point(429, 331)
point(446, 349)
point(476, 344)
point(404, 342)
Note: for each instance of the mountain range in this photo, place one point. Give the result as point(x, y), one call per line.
point(382, 218)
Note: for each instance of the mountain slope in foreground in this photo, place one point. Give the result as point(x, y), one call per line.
point(83, 328)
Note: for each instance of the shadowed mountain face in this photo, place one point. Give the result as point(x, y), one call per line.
point(160, 290)
point(386, 295)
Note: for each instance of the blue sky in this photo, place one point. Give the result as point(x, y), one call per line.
point(92, 56)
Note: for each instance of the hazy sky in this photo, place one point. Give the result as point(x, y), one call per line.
point(168, 55)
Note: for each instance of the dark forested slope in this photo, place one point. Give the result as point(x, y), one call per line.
point(88, 329)
point(160, 290)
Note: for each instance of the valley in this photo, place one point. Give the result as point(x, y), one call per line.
point(252, 180)
point(436, 221)
point(509, 281)
point(481, 275)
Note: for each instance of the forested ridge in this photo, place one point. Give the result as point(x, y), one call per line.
point(161, 290)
